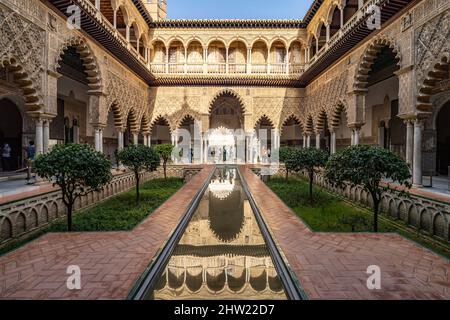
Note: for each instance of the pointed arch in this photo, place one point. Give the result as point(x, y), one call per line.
point(368, 58)
point(160, 120)
point(290, 118)
point(145, 124)
point(264, 120)
point(336, 114)
point(322, 118)
point(132, 120)
point(309, 124)
point(117, 113)
point(229, 93)
point(90, 64)
point(438, 71)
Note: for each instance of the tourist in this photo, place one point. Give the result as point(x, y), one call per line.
point(6, 157)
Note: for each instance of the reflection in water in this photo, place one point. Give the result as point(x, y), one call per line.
point(222, 254)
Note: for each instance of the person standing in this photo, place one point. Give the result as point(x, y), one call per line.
point(31, 154)
point(6, 157)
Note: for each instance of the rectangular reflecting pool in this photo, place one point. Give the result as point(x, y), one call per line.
point(222, 253)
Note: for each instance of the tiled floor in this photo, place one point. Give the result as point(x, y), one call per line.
point(110, 262)
point(333, 266)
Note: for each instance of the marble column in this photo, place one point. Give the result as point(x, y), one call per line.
point(76, 134)
point(46, 135)
point(39, 143)
point(409, 142)
point(304, 141)
point(135, 138)
point(381, 136)
point(97, 138)
point(308, 141)
point(101, 139)
point(318, 138)
point(120, 139)
point(333, 142)
point(356, 132)
point(417, 159)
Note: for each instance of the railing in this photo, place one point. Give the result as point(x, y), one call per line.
point(346, 28)
point(195, 68)
point(217, 68)
point(176, 68)
point(279, 69)
point(236, 68)
point(158, 68)
point(296, 68)
point(259, 68)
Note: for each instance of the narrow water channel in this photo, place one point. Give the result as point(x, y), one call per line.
point(222, 253)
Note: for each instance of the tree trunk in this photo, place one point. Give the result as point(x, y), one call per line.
point(165, 170)
point(376, 205)
point(69, 217)
point(311, 180)
point(137, 187)
point(287, 174)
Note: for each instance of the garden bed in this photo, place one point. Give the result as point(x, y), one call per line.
point(330, 213)
point(119, 213)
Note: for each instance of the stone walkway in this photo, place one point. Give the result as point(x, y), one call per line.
point(110, 262)
point(333, 266)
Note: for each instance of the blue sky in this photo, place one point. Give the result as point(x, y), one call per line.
point(237, 9)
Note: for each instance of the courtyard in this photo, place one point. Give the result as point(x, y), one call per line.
point(150, 158)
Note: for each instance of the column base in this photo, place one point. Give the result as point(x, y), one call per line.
point(417, 186)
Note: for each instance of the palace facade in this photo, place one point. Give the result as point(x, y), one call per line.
point(129, 75)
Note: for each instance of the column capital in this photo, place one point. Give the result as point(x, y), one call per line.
point(355, 126)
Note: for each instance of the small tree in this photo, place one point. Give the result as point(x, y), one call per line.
point(310, 160)
point(138, 158)
point(367, 166)
point(77, 169)
point(165, 152)
point(285, 154)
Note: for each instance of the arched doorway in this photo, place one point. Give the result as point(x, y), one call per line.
point(71, 123)
point(443, 140)
point(11, 134)
point(264, 129)
point(291, 134)
point(225, 141)
point(160, 132)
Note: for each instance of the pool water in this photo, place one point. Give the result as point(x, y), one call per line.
point(222, 253)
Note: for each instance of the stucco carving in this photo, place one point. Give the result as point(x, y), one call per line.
point(22, 51)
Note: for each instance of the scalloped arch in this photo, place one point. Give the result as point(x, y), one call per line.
point(87, 56)
point(368, 58)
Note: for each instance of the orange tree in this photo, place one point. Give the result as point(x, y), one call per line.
point(77, 169)
point(367, 166)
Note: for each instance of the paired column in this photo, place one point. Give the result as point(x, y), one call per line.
point(356, 131)
point(318, 137)
point(333, 142)
point(120, 139)
point(46, 135)
point(98, 136)
point(409, 142)
point(39, 143)
point(308, 141)
point(417, 156)
point(304, 141)
point(135, 138)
